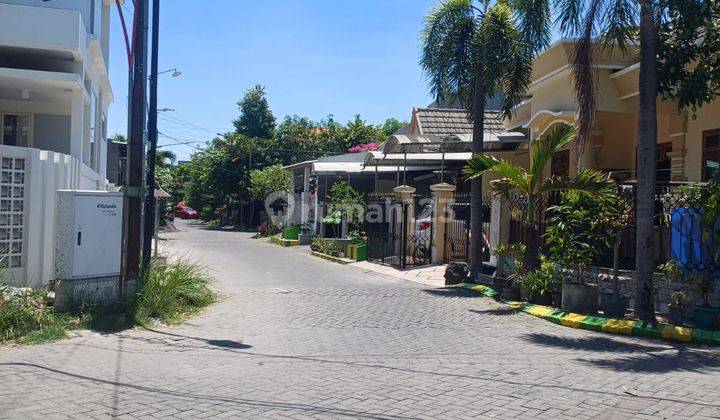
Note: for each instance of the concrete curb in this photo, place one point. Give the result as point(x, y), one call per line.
point(605, 325)
point(339, 260)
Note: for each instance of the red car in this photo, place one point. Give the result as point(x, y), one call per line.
point(185, 212)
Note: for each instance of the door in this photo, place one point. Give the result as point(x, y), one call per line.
point(16, 130)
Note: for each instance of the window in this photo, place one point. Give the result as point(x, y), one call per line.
point(560, 163)
point(16, 130)
point(711, 154)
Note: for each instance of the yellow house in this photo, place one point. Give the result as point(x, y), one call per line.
point(688, 145)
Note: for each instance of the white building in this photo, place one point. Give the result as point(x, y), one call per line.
point(54, 97)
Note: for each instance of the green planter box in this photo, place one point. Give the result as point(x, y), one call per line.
point(356, 252)
point(292, 232)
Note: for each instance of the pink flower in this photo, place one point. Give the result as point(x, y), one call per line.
point(367, 147)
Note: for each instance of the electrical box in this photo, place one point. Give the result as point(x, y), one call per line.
point(88, 234)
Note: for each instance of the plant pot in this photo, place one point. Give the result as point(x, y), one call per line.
point(544, 298)
point(556, 300)
point(525, 293)
point(615, 306)
point(580, 298)
point(305, 238)
point(511, 293)
point(675, 315)
point(604, 297)
point(705, 318)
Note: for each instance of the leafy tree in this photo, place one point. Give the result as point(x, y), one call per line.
point(164, 158)
point(689, 41)
point(532, 186)
point(256, 119)
point(345, 203)
point(471, 52)
point(269, 180)
point(390, 126)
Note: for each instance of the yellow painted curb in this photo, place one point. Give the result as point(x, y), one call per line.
point(619, 326)
point(672, 332)
point(572, 320)
point(540, 311)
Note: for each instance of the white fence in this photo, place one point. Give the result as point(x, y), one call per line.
point(29, 180)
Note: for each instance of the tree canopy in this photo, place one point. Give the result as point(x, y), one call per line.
point(256, 119)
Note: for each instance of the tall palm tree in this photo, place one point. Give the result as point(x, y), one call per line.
point(614, 24)
point(532, 186)
point(468, 52)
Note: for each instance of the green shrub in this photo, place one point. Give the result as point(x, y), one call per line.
point(167, 291)
point(26, 317)
point(541, 280)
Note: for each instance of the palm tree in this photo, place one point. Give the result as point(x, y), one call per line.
point(614, 24)
point(164, 158)
point(469, 52)
point(532, 186)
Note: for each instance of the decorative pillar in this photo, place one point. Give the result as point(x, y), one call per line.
point(441, 193)
point(305, 197)
point(405, 196)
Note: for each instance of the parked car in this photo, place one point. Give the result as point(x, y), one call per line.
point(185, 212)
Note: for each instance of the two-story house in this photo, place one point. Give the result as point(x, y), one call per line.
point(54, 97)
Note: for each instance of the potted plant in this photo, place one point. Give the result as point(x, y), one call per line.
point(704, 316)
point(306, 235)
point(576, 234)
point(675, 307)
point(513, 266)
point(539, 283)
point(507, 255)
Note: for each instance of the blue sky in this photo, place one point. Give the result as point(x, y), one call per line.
point(314, 57)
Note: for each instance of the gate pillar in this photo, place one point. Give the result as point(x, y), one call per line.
point(442, 193)
point(405, 196)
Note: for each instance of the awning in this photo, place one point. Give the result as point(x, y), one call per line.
point(335, 168)
point(413, 159)
point(457, 143)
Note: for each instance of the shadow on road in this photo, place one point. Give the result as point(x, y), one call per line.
point(660, 358)
point(496, 312)
point(452, 293)
point(223, 344)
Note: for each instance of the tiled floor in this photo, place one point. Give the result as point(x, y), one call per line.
point(430, 275)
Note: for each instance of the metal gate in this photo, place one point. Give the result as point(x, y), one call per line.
point(395, 239)
point(384, 229)
point(457, 227)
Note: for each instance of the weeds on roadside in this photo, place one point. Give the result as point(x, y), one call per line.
point(166, 292)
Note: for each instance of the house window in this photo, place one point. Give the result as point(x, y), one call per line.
point(711, 154)
point(16, 130)
point(560, 163)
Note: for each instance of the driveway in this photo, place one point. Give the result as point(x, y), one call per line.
point(297, 336)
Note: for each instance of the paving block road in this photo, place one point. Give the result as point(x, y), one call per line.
point(296, 336)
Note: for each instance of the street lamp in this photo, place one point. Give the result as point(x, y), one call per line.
point(175, 72)
point(166, 110)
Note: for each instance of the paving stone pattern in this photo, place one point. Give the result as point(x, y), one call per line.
point(296, 337)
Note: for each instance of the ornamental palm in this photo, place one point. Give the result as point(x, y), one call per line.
point(532, 186)
point(614, 23)
point(468, 53)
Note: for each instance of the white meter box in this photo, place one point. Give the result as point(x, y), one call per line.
point(89, 234)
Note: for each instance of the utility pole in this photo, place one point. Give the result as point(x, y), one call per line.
point(150, 201)
point(136, 153)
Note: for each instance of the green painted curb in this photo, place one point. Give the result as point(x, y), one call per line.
point(606, 325)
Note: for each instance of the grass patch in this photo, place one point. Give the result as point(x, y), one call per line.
point(167, 292)
point(26, 317)
point(170, 291)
